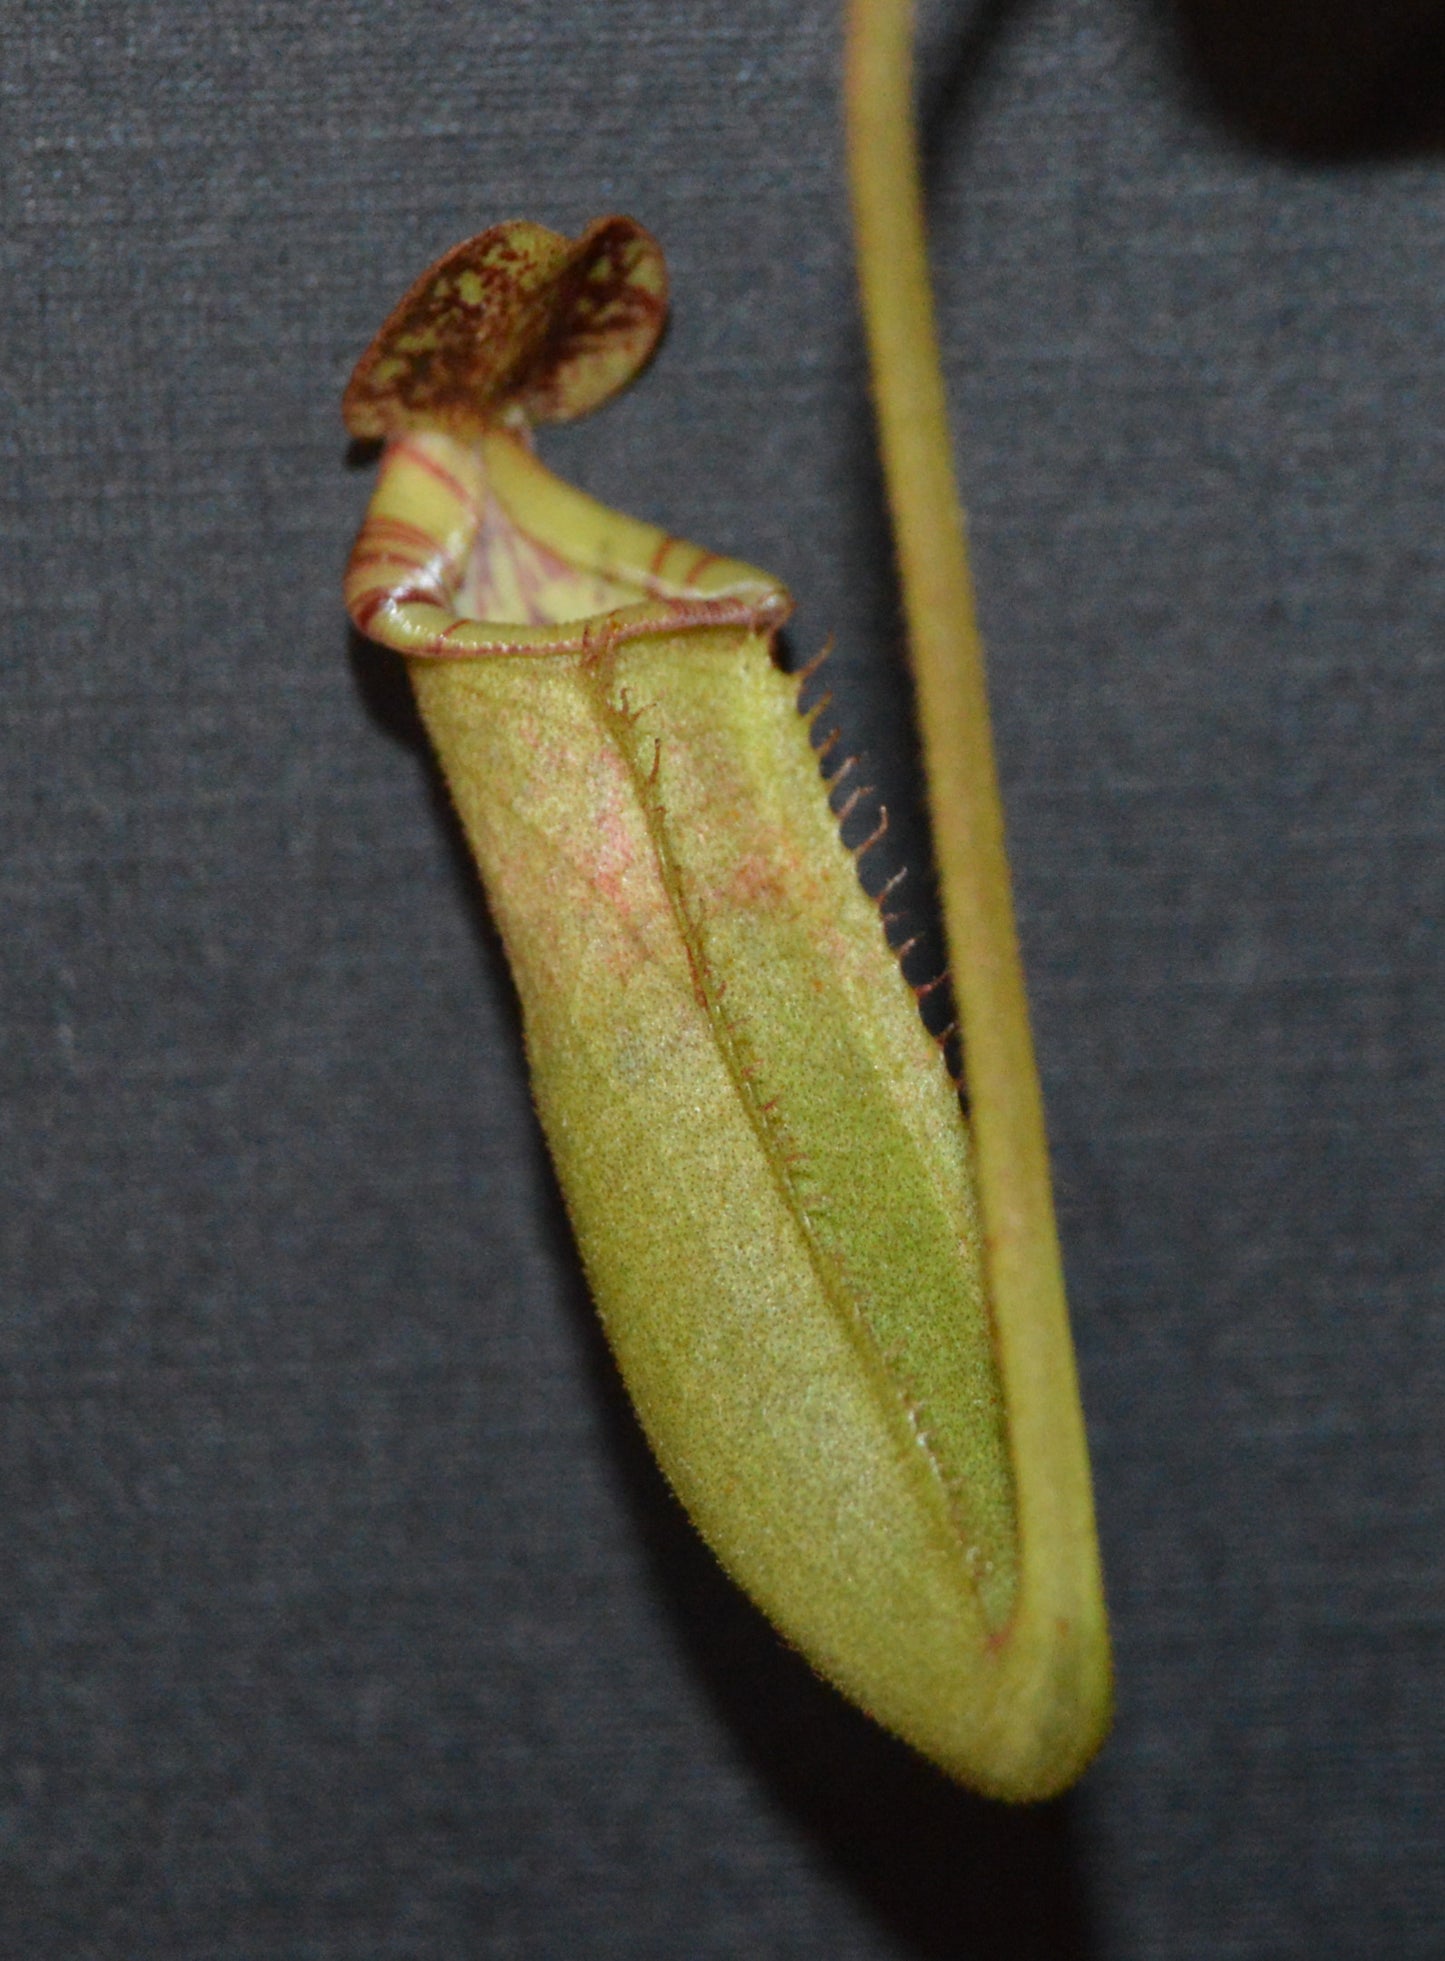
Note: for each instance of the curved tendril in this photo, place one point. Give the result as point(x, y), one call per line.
point(1058, 1640)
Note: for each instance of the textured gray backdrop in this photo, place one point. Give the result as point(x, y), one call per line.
point(341, 1611)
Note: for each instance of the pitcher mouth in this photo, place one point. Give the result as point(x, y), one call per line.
point(472, 547)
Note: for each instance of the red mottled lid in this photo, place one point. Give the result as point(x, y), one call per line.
point(518, 318)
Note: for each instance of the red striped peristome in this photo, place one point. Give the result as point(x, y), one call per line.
point(473, 547)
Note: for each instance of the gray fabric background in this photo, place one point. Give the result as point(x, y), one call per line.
point(342, 1612)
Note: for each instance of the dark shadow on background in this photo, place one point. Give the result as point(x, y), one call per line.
point(1323, 80)
point(952, 58)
